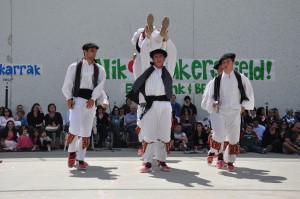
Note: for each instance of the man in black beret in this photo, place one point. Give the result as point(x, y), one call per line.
point(155, 84)
point(89, 45)
point(229, 94)
point(218, 67)
point(83, 85)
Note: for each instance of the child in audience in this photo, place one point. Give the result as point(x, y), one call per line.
point(180, 138)
point(45, 141)
point(36, 140)
point(24, 142)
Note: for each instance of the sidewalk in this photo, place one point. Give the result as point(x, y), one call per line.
point(43, 175)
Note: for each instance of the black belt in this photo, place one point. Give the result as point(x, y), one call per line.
point(85, 93)
point(149, 101)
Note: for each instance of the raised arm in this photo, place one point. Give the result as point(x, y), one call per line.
point(172, 56)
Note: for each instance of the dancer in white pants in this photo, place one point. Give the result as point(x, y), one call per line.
point(137, 40)
point(229, 94)
point(83, 85)
point(156, 86)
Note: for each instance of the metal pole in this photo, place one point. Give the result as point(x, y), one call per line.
point(6, 95)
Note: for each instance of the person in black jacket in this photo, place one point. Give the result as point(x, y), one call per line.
point(188, 105)
point(8, 136)
point(53, 119)
point(35, 118)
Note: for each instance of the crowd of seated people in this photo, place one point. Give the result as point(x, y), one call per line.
point(262, 130)
point(21, 132)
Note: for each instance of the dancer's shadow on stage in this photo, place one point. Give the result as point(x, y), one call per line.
point(184, 177)
point(253, 174)
point(103, 173)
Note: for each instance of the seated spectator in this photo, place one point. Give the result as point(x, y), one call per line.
point(101, 125)
point(289, 117)
point(1, 110)
point(21, 118)
point(175, 106)
point(117, 127)
point(200, 136)
point(53, 123)
point(7, 116)
point(19, 108)
point(188, 105)
point(283, 127)
point(272, 118)
point(291, 140)
point(277, 117)
point(180, 138)
point(9, 136)
point(261, 115)
point(45, 141)
point(249, 141)
point(174, 120)
point(245, 119)
point(258, 128)
point(36, 140)
point(126, 107)
point(35, 119)
point(271, 139)
point(122, 118)
point(131, 123)
point(187, 120)
point(253, 113)
point(24, 141)
point(297, 115)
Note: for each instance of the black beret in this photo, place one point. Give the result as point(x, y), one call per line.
point(89, 45)
point(217, 65)
point(158, 51)
point(227, 55)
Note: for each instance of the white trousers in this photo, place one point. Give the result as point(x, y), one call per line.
point(156, 127)
point(11, 145)
point(156, 123)
point(157, 148)
point(81, 123)
point(226, 127)
point(81, 118)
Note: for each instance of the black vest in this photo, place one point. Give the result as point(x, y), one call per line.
point(240, 86)
point(78, 78)
point(139, 84)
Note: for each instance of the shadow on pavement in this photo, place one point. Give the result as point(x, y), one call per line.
point(103, 173)
point(180, 176)
point(253, 174)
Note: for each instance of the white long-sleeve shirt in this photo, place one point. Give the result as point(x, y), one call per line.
point(154, 84)
point(205, 96)
point(86, 82)
point(230, 94)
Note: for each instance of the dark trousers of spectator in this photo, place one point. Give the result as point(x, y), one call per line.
point(276, 146)
point(116, 136)
point(253, 148)
point(43, 147)
point(103, 133)
point(133, 137)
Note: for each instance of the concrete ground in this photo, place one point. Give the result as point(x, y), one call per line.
point(43, 175)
